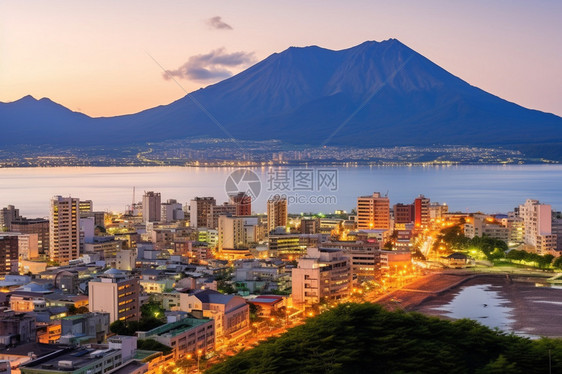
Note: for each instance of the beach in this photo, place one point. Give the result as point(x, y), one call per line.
point(512, 303)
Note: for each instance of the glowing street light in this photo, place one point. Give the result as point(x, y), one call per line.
point(199, 353)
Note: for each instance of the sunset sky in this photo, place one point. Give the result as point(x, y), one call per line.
point(93, 56)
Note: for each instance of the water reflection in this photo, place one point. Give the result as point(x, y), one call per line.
point(491, 189)
point(482, 303)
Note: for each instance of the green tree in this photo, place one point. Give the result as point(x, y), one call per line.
point(254, 312)
point(500, 366)
point(152, 309)
point(153, 345)
point(365, 338)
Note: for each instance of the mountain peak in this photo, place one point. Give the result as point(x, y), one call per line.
point(303, 95)
point(26, 99)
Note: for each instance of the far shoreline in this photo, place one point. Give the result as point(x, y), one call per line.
point(349, 164)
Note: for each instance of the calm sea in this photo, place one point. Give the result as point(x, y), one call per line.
point(491, 189)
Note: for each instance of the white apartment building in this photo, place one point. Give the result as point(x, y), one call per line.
point(322, 275)
point(537, 218)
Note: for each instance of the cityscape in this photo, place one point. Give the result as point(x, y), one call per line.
point(167, 285)
point(224, 152)
point(251, 187)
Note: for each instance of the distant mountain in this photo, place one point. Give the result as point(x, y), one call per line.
point(374, 94)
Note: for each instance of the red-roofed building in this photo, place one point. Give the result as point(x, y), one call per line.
point(268, 303)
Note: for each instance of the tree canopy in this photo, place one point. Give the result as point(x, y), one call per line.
point(365, 338)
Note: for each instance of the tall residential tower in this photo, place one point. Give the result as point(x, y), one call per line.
point(64, 230)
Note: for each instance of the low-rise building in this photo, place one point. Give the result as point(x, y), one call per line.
point(286, 246)
point(76, 361)
point(231, 313)
point(547, 244)
point(106, 246)
point(261, 276)
point(154, 281)
point(48, 332)
point(482, 225)
point(268, 304)
point(392, 262)
point(17, 328)
point(516, 229)
point(185, 336)
point(88, 327)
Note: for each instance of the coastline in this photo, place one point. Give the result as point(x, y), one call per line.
point(532, 306)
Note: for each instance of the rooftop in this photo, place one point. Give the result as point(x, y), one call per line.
point(212, 297)
point(131, 367)
point(176, 328)
point(266, 300)
point(38, 349)
point(78, 357)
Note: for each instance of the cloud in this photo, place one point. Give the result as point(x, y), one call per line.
point(214, 65)
point(217, 23)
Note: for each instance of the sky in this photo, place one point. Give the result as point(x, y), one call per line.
point(105, 58)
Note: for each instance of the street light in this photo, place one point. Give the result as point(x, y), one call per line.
point(199, 352)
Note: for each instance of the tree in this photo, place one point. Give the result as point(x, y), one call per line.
point(153, 345)
point(501, 366)
point(152, 309)
point(547, 259)
point(365, 338)
point(72, 310)
point(119, 327)
point(255, 311)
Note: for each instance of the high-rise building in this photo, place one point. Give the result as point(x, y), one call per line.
point(323, 274)
point(220, 210)
point(421, 212)
point(231, 232)
point(373, 212)
point(310, 226)
point(116, 293)
point(151, 210)
point(276, 213)
point(172, 211)
point(200, 211)
point(99, 217)
point(537, 218)
point(37, 226)
point(437, 210)
point(403, 213)
point(8, 253)
point(243, 203)
point(28, 246)
point(557, 230)
point(86, 206)
point(64, 228)
point(7, 216)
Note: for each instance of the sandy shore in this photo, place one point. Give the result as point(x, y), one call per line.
point(535, 311)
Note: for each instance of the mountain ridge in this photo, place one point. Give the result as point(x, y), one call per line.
point(373, 94)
